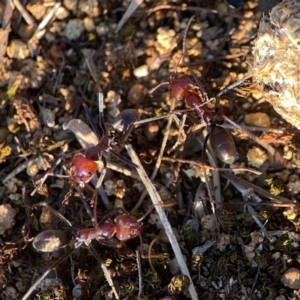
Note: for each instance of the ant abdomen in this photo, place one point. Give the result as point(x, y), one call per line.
point(50, 240)
point(223, 144)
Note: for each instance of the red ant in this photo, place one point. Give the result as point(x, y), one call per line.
point(87, 162)
point(84, 166)
point(195, 98)
point(123, 227)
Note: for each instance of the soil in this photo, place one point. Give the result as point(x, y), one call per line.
point(237, 225)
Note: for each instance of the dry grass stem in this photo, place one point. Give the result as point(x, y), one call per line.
point(156, 200)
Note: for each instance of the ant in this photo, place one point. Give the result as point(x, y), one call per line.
point(123, 227)
point(196, 98)
point(85, 163)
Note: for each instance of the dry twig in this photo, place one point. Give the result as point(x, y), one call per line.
point(157, 202)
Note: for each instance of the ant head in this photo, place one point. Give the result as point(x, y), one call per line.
point(179, 86)
point(82, 169)
point(127, 227)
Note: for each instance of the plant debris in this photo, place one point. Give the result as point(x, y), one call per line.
point(84, 186)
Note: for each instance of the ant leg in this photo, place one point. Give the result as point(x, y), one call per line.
point(90, 118)
point(124, 136)
point(225, 90)
point(110, 214)
point(112, 243)
point(216, 181)
point(232, 86)
point(135, 124)
point(87, 207)
point(53, 266)
point(44, 178)
point(124, 159)
point(94, 204)
point(158, 86)
point(54, 211)
point(146, 214)
point(101, 192)
point(181, 135)
point(105, 271)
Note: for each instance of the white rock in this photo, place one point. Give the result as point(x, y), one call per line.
point(89, 24)
point(7, 217)
point(61, 13)
point(256, 157)
point(73, 29)
point(17, 49)
point(141, 71)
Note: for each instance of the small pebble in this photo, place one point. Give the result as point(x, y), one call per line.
point(141, 71)
point(223, 241)
point(281, 297)
point(166, 40)
point(102, 29)
point(32, 170)
point(209, 222)
point(276, 255)
point(256, 157)
point(89, 24)
point(294, 184)
point(210, 33)
point(77, 291)
point(136, 93)
point(250, 256)
point(90, 7)
point(174, 267)
point(48, 117)
point(4, 132)
point(258, 120)
point(61, 13)
point(291, 278)
point(7, 217)
point(17, 49)
point(73, 29)
point(25, 31)
point(37, 9)
point(151, 131)
point(70, 4)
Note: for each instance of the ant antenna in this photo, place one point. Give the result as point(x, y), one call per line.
point(155, 88)
point(184, 41)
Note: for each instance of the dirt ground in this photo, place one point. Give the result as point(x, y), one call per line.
point(235, 236)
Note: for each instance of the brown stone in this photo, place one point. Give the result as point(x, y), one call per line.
point(291, 278)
